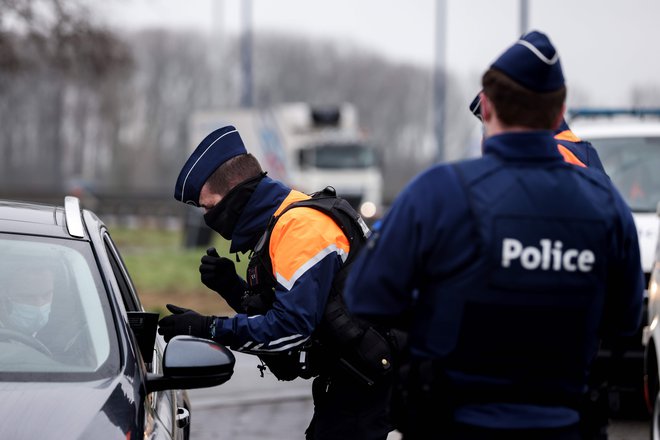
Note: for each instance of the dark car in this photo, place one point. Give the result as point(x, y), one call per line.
point(79, 356)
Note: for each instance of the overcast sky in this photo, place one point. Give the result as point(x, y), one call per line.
point(606, 46)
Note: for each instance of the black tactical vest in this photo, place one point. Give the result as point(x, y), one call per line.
point(260, 277)
point(537, 284)
point(340, 338)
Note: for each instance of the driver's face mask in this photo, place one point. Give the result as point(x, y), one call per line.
point(28, 318)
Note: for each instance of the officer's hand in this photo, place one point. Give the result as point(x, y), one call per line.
point(184, 322)
point(219, 274)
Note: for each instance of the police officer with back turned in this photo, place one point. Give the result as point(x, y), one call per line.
point(507, 270)
point(595, 411)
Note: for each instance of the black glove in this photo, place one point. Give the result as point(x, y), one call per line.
point(184, 322)
point(219, 274)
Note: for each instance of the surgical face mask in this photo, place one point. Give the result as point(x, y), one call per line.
point(28, 318)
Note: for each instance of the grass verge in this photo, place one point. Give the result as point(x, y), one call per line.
point(163, 271)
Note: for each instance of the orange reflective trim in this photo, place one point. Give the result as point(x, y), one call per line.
point(300, 239)
point(293, 196)
point(567, 135)
point(569, 156)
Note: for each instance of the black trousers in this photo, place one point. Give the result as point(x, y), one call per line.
point(426, 401)
point(459, 431)
point(348, 409)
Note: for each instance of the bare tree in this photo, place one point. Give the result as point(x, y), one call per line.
point(125, 126)
point(394, 100)
point(52, 58)
point(57, 33)
point(171, 80)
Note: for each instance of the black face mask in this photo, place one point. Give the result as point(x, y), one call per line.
point(223, 217)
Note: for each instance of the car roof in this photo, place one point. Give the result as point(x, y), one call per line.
point(616, 130)
point(31, 218)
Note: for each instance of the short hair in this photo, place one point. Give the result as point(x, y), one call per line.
point(517, 105)
point(233, 172)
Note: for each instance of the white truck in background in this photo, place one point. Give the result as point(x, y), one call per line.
point(306, 147)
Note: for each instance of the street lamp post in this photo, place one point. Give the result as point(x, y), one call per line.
point(439, 78)
point(246, 54)
point(524, 16)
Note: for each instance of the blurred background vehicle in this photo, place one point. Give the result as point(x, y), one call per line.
point(79, 355)
point(652, 344)
point(628, 143)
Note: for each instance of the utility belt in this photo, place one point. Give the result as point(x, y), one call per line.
point(365, 352)
point(302, 362)
point(424, 392)
point(367, 361)
point(341, 341)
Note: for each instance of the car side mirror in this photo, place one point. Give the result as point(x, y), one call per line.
point(190, 362)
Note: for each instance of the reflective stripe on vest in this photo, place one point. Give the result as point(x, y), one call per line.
point(569, 156)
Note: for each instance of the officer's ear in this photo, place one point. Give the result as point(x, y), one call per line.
point(489, 117)
point(486, 107)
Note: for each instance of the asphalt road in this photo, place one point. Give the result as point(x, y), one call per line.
point(250, 407)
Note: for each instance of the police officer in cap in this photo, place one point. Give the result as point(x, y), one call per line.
point(295, 256)
point(595, 410)
point(507, 270)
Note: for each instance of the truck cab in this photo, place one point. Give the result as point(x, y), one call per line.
point(328, 148)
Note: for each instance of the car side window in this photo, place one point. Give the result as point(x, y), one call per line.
point(129, 296)
point(71, 330)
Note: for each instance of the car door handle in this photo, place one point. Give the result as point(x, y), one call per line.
point(182, 417)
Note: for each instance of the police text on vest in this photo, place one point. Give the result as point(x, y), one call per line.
point(550, 256)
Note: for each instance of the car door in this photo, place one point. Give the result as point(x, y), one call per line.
point(160, 407)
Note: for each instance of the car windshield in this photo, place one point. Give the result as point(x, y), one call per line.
point(333, 156)
point(54, 318)
point(633, 164)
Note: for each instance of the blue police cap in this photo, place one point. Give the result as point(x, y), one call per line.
point(533, 63)
point(216, 149)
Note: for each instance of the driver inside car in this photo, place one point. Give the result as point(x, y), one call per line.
point(26, 303)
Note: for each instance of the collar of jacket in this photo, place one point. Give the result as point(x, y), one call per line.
point(527, 146)
point(261, 206)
